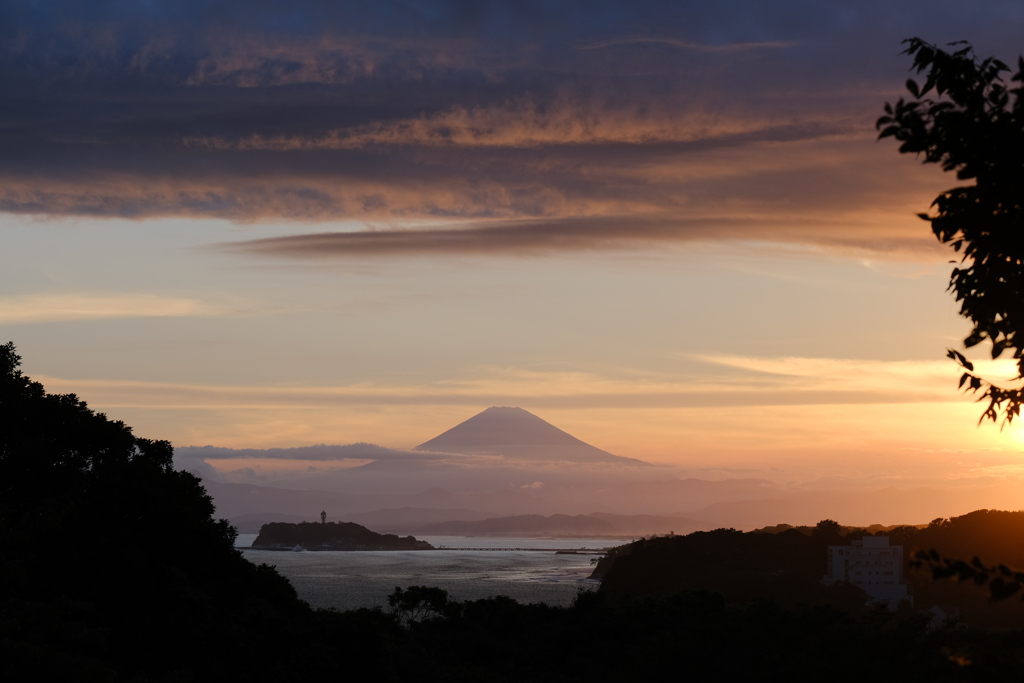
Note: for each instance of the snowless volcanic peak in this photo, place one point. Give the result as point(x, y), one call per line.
point(516, 433)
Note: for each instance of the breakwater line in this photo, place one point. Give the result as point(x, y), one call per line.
point(559, 551)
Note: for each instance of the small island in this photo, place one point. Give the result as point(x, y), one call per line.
point(331, 536)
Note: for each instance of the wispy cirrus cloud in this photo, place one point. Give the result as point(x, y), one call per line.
point(779, 382)
point(841, 374)
point(39, 308)
point(321, 452)
point(685, 45)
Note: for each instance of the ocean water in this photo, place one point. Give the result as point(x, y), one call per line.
point(348, 580)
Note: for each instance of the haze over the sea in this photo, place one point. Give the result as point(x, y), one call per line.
point(666, 229)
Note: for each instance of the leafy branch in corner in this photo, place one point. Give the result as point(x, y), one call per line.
point(1002, 581)
point(974, 128)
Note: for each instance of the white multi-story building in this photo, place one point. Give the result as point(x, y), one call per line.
point(872, 565)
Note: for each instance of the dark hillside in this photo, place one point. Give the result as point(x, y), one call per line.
point(743, 567)
point(787, 566)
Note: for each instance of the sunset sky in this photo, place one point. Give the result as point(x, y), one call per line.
point(666, 228)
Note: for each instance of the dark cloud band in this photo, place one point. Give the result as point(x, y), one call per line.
point(520, 116)
point(536, 238)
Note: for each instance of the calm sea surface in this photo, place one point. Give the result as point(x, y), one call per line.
point(348, 580)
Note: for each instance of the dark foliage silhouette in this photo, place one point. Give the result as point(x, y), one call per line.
point(974, 128)
point(112, 565)
point(420, 603)
point(742, 567)
point(983, 533)
point(786, 566)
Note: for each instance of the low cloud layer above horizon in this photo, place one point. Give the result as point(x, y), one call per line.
point(514, 128)
point(320, 452)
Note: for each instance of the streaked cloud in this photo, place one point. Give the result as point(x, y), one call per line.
point(38, 308)
point(527, 123)
point(837, 374)
point(321, 452)
point(597, 233)
point(699, 47)
point(239, 62)
point(779, 382)
point(581, 126)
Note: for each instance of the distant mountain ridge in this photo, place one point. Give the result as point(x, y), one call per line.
point(518, 434)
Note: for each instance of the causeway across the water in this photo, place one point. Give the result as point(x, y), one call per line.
point(564, 551)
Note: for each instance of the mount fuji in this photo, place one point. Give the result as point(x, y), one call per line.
point(518, 434)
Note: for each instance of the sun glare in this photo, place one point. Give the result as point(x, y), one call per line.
point(1014, 433)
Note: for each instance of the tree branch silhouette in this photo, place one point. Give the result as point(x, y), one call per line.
point(975, 129)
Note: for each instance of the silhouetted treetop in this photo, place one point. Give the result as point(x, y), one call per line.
point(974, 127)
point(101, 536)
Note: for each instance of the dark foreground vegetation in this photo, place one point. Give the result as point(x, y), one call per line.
point(113, 569)
point(786, 565)
point(968, 117)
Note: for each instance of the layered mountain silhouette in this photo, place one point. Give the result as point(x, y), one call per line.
point(520, 435)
